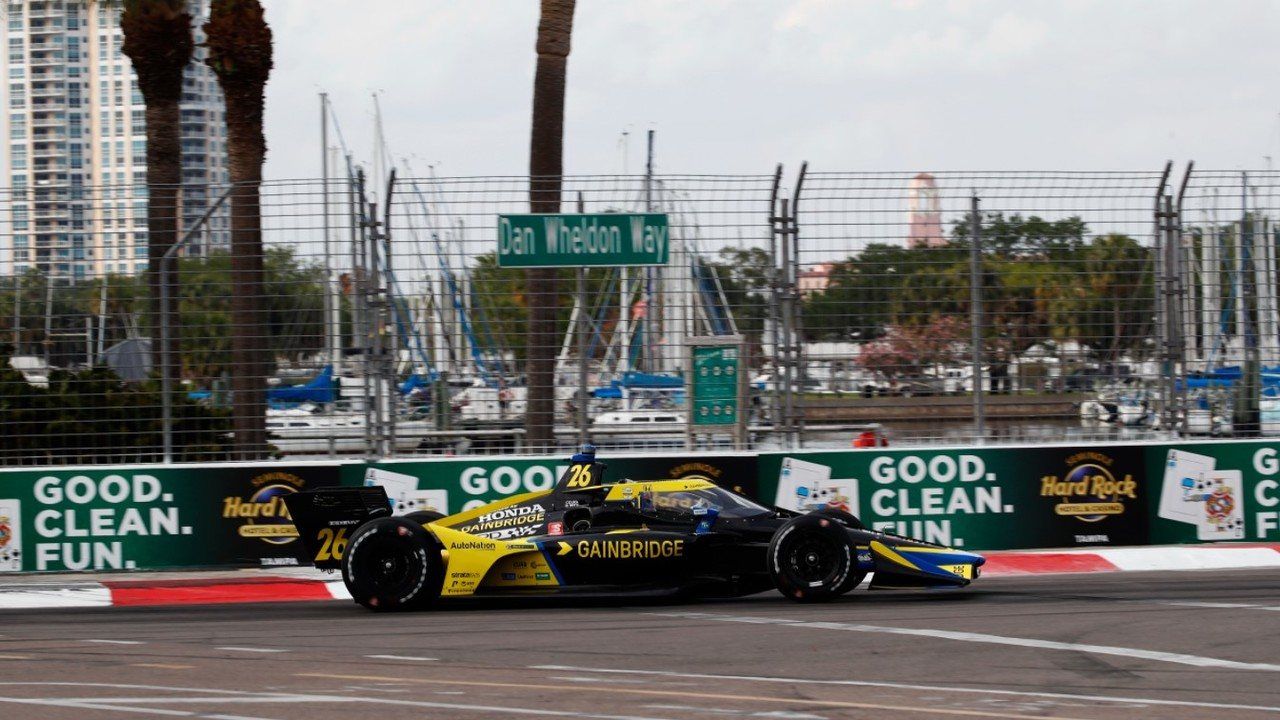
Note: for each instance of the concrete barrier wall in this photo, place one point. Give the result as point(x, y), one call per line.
point(154, 517)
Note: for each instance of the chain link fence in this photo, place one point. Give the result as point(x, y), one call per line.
point(868, 308)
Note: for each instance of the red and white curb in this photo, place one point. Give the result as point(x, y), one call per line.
point(140, 592)
point(35, 592)
point(1167, 557)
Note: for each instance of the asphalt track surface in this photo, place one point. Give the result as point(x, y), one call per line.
point(1095, 647)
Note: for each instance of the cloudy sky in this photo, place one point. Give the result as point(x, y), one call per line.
point(739, 85)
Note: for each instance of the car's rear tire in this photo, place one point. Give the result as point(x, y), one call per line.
point(811, 559)
point(393, 563)
point(422, 517)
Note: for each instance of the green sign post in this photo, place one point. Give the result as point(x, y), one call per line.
point(717, 385)
point(583, 240)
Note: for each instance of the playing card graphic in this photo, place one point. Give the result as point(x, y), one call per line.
point(404, 493)
point(1184, 475)
point(805, 486)
point(10, 536)
point(1220, 495)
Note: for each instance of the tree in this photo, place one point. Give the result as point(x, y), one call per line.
point(239, 43)
point(909, 350)
point(546, 170)
point(157, 40)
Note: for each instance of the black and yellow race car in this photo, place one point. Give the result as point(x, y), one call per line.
point(686, 536)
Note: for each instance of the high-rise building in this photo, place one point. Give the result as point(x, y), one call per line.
point(75, 124)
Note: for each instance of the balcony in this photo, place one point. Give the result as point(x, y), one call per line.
point(43, 12)
point(48, 59)
point(48, 168)
point(48, 28)
point(48, 89)
point(48, 73)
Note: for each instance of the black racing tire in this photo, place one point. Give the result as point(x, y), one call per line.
point(811, 559)
point(849, 520)
point(422, 517)
point(393, 563)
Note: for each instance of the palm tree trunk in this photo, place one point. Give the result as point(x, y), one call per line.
point(157, 39)
point(239, 42)
point(546, 168)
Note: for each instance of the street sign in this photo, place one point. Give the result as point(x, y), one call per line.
point(578, 240)
point(715, 385)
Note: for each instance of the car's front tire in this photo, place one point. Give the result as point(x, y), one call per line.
point(812, 560)
point(392, 563)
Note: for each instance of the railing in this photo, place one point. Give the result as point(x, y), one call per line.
point(1079, 305)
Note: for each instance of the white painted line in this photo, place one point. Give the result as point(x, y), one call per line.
point(1213, 605)
point(233, 717)
point(771, 714)
point(1156, 655)
point(252, 650)
point(95, 706)
point(115, 642)
point(250, 697)
point(901, 686)
point(401, 657)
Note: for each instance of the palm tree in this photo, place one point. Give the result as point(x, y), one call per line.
point(157, 39)
point(239, 43)
point(546, 166)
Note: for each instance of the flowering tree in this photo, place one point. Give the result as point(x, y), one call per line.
point(908, 350)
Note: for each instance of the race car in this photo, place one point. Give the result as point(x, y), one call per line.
point(689, 537)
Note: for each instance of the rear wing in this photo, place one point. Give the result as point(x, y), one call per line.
point(582, 475)
point(327, 517)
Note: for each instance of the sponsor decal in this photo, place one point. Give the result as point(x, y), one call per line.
point(1090, 490)
point(626, 549)
point(695, 470)
point(472, 545)
point(508, 576)
point(519, 521)
point(263, 512)
point(555, 528)
point(542, 576)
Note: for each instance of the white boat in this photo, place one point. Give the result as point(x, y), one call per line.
point(1269, 415)
point(298, 431)
point(639, 426)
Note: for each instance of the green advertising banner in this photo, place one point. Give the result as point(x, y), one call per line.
point(454, 485)
point(151, 517)
point(1207, 492)
point(147, 517)
point(998, 498)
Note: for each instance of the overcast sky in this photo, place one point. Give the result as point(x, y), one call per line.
point(738, 85)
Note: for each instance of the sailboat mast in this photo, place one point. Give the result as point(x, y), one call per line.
point(332, 330)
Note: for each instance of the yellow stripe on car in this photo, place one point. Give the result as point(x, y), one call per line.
point(883, 550)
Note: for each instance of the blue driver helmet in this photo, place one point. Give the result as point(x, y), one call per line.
point(586, 454)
